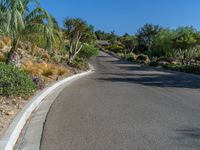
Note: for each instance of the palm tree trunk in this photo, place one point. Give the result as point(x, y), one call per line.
point(13, 56)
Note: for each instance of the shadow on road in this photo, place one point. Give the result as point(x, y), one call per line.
point(193, 133)
point(189, 134)
point(133, 73)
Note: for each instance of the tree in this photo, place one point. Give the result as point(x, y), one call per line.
point(162, 45)
point(146, 36)
point(78, 33)
point(129, 42)
point(112, 37)
point(16, 21)
point(185, 42)
point(101, 35)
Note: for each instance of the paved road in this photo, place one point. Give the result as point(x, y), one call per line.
point(126, 107)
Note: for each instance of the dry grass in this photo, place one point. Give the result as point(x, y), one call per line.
point(44, 69)
point(2, 57)
point(6, 41)
point(62, 71)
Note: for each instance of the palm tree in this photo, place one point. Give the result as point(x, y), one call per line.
point(16, 21)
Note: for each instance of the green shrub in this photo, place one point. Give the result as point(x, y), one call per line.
point(79, 63)
point(144, 59)
point(88, 51)
point(115, 48)
point(130, 57)
point(184, 68)
point(15, 82)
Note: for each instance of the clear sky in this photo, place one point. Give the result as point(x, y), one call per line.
point(127, 15)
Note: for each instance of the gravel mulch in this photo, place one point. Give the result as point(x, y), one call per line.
point(9, 107)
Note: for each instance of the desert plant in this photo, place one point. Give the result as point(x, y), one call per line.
point(78, 33)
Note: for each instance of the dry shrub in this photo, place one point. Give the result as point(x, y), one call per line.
point(2, 45)
point(6, 41)
point(44, 69)
point(47, 72)
point(46, 57)
point(2, 57)
point(62, 71)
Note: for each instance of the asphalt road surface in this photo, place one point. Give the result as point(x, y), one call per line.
point(124, 106)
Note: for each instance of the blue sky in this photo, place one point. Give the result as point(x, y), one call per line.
point(127, 15)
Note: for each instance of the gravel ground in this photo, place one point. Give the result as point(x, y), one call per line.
point(9, 107)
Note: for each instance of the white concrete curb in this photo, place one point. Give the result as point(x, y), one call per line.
point(8, 141)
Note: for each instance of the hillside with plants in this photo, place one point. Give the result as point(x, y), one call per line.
point(154, 45)
point(35, 51)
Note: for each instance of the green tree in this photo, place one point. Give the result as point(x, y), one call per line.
point(78, 32)
point(16, 21)
point(186, 41)
point(162, 45)
point(101, 35)
point(129, 42)
point(146, 36)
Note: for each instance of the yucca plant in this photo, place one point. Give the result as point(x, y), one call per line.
point(17, 20)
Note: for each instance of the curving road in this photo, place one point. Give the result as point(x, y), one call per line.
point(126, 107)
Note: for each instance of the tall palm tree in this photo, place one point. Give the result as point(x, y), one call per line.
point(17, 20)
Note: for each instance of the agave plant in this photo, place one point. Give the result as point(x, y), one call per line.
point(17, 20)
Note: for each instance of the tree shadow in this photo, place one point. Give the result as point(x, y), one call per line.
point(157, 80)
point(142, 74)
point(153, 78)
point(192, 133)
point(189, 138)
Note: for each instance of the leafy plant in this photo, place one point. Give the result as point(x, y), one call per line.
point(15, 82)
point(79, 63)
point(88, 51)
point(115, 48)
point(130, 57)
point(183, 68)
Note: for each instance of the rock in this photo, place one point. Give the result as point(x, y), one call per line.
point(163, 63)
point(39, 83)
point(10, 113)
point(14, 58)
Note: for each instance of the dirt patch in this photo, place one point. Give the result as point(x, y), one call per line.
point(9, 107)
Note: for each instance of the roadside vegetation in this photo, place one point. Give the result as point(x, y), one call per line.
point(154, 45)
point(35, 51)
point(32, 42)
